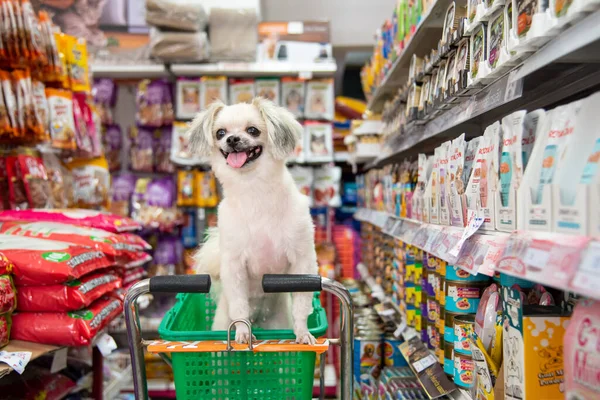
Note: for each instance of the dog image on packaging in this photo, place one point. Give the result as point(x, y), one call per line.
point(533, 349)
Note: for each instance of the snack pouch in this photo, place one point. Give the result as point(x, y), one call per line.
point(92, 181)
point(303, 177)
point(35, 39)
point(75, 328)
point(530, 125)
point(61, 189)
point(293, 95)
point(69, 296)
point(5, 125)
point(5, 328)
point(186, 188)
point(82, 135)
point(77, 60)
point(10, 101)
point(162, 150)
point(44, 262)
point(268, 88)
point(122, 189)
point(327, 186)
point(40, 105)
point(105, 96)
point(511, 158)
point(206, 190)
point(62, 126)
point(142, 149)
point(113, 142)
point(212, 88)
point(17, 195)
point(166, 260)
point(8, 295)
point(470, 154)
point(149, 100)
point(187, 97)
point(35, 180)
point(79, 217)
point(241, 91)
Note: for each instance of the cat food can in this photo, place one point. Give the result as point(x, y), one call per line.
point(464, 370)
point(433, 336)
point(449, 326)
point(463, 297)
point(459, 275)
point(449, 359)
point(391, 353)
point(441, 320)
point(433, 310)
point(367, 354)
point(463, 329)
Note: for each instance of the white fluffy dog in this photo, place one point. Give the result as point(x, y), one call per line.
point(264, 223)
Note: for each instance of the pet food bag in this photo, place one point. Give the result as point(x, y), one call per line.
point(173, 46)
point(60, 181)
point(141, 152)
point(327, 186)
point(303, 177)
point(91, 182)
point(292, 95)
point(206, 190)
point(8, 295)
point(212, 88)
point(90, 218)
point(62, 125)
point(69, 296)
point(43, 262)
point(319, 99)
point(123, 187)
point(133, 275)
point(162, 150)
point(268, 88)
point(154, 103)
point(5, 328)
point(187, 95)
point(75, 328)
point(241, 91)
point(105, 98)
point(186, 188)
point(113, 142)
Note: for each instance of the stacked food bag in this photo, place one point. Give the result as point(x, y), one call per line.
point(67, 267)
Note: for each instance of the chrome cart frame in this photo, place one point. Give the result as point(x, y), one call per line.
point(271, 284)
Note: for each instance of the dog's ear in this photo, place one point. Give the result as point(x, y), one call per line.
point(200, 131)
point(283, 131)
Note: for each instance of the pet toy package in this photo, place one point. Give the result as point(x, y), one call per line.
point(212, 88)
point(318, 138)
point(241, 91)
point(292, 95)
point(187, 95)
point(268, 88)
point(533, 349)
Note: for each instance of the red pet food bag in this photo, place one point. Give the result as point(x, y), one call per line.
point(8, 295)
point(5, 329)
point(45, 262)
point(69, 296)
point(75, 328)
point(90, 218)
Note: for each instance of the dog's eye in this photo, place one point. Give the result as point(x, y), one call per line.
point(252, 131)
point(220, 134)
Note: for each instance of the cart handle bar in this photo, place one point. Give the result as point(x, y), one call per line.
point(283, 283)
point(180, 284)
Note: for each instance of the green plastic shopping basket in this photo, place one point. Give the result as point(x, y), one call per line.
point(236, 375)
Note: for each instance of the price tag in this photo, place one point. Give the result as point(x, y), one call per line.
point(424, 363)
point(473, 224)
point(587, 277)
point(59, 360)
point(536, 257)
point(305, 75)
point(16, 361)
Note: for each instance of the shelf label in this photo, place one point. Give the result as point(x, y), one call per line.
point(587, 277)
point(473, 223)
point(17, 361)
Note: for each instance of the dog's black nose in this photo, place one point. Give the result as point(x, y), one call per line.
point(233, 140)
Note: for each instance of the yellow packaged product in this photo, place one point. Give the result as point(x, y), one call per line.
point(91, 182)
point(62, 124)
point(77, 60)
point(186, 188)
point(63, 43)
point(206, 190)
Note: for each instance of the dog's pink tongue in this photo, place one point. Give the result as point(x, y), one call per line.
point(237, 160)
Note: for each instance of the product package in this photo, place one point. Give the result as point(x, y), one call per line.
point(35, 181)
point(91, 181)
point(122, 189)
point(318, 138)
point(141, 152)
point(241, 90)
point(268, 88)
point(478, 53)
point(206, 189)
point(70, 296)
point(105, 98)
point(187, 94)
point(62, 126)
point(154, 103)
point(133, 275)
point(444, 182)
point(233, 34)
point(167, 260)
point(113, 143)
point(186, 188)
point(292, 95)
point(319, 99)
point(534, 24)
point(181, 152)
point(327, 186)
point(212, 88)
point(303, 176)
point(176, 46)
point(77, 60)
point(75, 328)
point(162, 150)
point(456, 185)
point(154, 204)
point(176, 15)
point(8, 295)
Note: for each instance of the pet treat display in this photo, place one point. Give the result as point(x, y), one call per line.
point(318, 140)
point(268, 88)
point(73, 328)
point(293, 95)
point(154, 103)
point(188, 96)
point(70, 296)
point(91, 181)
point(319, 99)
point(105, 98)
point(241, 91)
point(113, 143)
point(212, 88)
point(62, 125)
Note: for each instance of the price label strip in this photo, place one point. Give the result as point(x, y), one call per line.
point(587, 277)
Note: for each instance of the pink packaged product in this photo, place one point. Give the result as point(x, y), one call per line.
point(90, 218)
point(581, 352)
point(82, 134)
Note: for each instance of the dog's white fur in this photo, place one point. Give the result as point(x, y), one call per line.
point(264, 223)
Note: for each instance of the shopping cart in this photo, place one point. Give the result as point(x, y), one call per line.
point(223, 369)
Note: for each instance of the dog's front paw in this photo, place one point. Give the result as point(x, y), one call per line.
point(304, 337)
point(242, 335)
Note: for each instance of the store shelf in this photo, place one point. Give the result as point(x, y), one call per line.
point(114, 387)
point(20, 346)
point(425, 38)
point(579, 43)
point(239, 69)
point(330, 382)
point(125, 71)
point(566, 262)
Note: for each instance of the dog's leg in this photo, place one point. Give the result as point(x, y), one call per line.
point(235, 287)
point(221, 321)
point(303, 262)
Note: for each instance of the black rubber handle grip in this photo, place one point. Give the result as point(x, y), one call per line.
point(283, 283)
point(180, 284)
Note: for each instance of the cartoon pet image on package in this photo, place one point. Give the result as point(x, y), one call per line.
point(552, 358)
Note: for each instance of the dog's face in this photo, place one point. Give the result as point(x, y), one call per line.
point(244, 137)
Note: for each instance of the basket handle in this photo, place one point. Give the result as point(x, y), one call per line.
point(283, 283)
point(180, 284)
